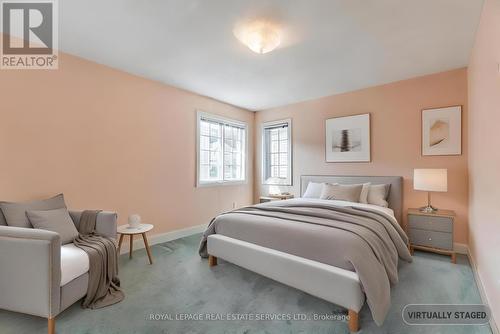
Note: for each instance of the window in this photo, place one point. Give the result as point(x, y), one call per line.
point(277, 152)
point(221, 150)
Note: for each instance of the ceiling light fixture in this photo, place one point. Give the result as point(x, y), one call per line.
point(259, 36)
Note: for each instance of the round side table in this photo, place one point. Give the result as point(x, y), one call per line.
point(123, 230)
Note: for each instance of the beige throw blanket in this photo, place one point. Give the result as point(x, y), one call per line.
point(104, 284)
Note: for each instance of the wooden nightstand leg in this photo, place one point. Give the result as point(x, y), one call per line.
point(147, 248)
point(453, 257)
point(120, 243)
point(412, 250)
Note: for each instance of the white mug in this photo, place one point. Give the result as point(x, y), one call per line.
point(134, 221)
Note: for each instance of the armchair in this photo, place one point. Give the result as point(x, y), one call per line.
point(30, 262)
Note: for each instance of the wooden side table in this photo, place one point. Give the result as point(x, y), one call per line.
point(141, 229)
point(432, 232)
point(270, 198)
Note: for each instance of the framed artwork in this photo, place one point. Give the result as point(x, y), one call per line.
point(348, 139)
point(442, 131)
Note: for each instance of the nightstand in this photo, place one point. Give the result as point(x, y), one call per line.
point(270, 198)
point(432, 232)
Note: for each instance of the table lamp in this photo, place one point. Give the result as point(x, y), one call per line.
point(275, 184)
point(430, 180)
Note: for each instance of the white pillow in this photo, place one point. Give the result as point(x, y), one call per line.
point(313, 190)
point(363, 198)
point(378, 195)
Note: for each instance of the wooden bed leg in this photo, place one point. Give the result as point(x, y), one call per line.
point(51, 326)
point(353, 321)
point(212, 261)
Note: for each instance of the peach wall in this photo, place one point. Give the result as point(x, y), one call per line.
point(484, 158)
point(395, 129)
point(109, 140)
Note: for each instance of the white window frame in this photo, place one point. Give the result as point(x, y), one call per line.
point(228, 121)
point(264, 126)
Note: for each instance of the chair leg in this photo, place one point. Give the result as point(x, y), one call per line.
point(353, 321)
point(212, 261)
point(51, 326)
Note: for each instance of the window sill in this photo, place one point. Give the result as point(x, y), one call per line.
point(288, 184)
point(222, 183)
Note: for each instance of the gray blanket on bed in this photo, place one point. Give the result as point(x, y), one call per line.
point(357, 239)
point(104, 285)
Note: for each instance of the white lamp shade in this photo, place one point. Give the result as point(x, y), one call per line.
point(430, 179)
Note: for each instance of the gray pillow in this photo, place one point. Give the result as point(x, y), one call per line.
point(342, 192)
point(377, 195)
point(15, 213)
point(57, 220)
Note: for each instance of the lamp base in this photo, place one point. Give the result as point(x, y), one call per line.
point(428, 209)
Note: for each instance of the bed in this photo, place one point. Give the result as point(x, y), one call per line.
point(342, 252)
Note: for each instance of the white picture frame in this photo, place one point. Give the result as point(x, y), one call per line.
point(347, 139)
point(442, 131)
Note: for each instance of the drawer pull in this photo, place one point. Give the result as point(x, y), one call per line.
point(430, 239)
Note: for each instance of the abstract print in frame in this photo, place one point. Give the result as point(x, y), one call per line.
point(442, 131)
point(348, 139)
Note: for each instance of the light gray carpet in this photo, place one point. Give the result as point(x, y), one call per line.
point(180, 282)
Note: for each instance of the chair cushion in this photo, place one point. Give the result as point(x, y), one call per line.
point(15, 213)
point(74, 263)
point(57, 220)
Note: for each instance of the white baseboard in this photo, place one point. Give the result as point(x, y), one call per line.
point(461, 248)
point(154, 239)
point(482, 291)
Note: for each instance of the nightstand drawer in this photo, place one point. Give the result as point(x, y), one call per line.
point(440, 224)
point(431, 239)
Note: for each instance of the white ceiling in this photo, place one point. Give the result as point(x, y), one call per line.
point(329, 46)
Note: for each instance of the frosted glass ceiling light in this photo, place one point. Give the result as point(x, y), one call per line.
point(259, 36)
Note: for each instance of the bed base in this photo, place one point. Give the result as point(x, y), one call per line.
point(336, 285)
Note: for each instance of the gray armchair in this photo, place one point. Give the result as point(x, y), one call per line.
point(30, 276)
